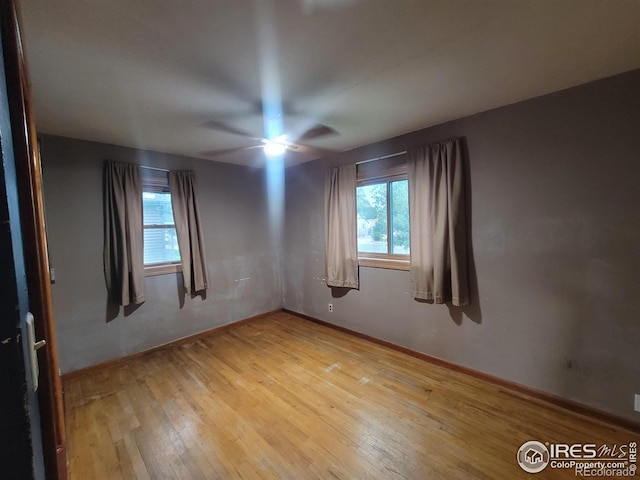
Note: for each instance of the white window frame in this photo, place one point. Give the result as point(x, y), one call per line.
point(384, 171)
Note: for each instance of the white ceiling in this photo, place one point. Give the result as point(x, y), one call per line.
point(149, 74)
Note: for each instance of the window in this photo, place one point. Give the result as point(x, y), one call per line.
point(161, 252)
point(383, 214)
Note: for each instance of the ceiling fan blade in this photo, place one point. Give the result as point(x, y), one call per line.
point(216, 153)
point(317, 131)
point(223, 127)
point(308, 150)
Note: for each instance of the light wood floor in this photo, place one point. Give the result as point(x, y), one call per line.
point(281, 397)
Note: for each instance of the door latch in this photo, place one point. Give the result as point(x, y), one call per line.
point(33, 349)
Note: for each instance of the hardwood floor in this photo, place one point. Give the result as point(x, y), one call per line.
point(282, 397)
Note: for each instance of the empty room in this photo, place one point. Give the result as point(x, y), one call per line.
point(352, 239)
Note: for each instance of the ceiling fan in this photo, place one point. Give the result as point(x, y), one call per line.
point(275, 146)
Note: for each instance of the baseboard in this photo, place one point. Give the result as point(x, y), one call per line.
point(128, 358)
point(549, 398)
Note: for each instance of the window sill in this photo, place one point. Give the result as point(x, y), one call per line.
point(388, 263)
point(162, 269)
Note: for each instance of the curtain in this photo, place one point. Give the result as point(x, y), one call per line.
point(340, 230)
point(123, 241)
point(189, 230)
point(438, 223)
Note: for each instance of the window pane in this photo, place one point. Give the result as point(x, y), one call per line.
point(160, 245)
point(399, 217)
point(156, 208)
point(372, 218)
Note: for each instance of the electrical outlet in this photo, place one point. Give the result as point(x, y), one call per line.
point(636, 406)
point(331, 310)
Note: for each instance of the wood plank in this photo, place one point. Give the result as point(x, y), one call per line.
point(281, 397)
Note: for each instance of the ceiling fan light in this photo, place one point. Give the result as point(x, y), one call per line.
point(273, 149)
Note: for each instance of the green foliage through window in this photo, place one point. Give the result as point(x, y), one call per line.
point(378, 205)
point(399, 217)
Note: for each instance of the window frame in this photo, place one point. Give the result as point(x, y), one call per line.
point(385, 174)
point(157, 181)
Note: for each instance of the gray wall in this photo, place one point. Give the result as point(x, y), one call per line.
point(556, 240)
point(243, 262)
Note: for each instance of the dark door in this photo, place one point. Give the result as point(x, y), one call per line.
point(25, 272)
point(21, 450)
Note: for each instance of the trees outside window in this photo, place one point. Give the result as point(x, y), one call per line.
point(383, 217)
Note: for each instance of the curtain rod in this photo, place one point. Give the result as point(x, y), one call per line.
point(154, 168)
point(381, 158)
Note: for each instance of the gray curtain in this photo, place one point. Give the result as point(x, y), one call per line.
point(438, 223)
point(340, 231)
point(123, 241)
point(189, 230)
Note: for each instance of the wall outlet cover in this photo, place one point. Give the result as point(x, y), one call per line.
point(636, 406)
point(331, 307)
